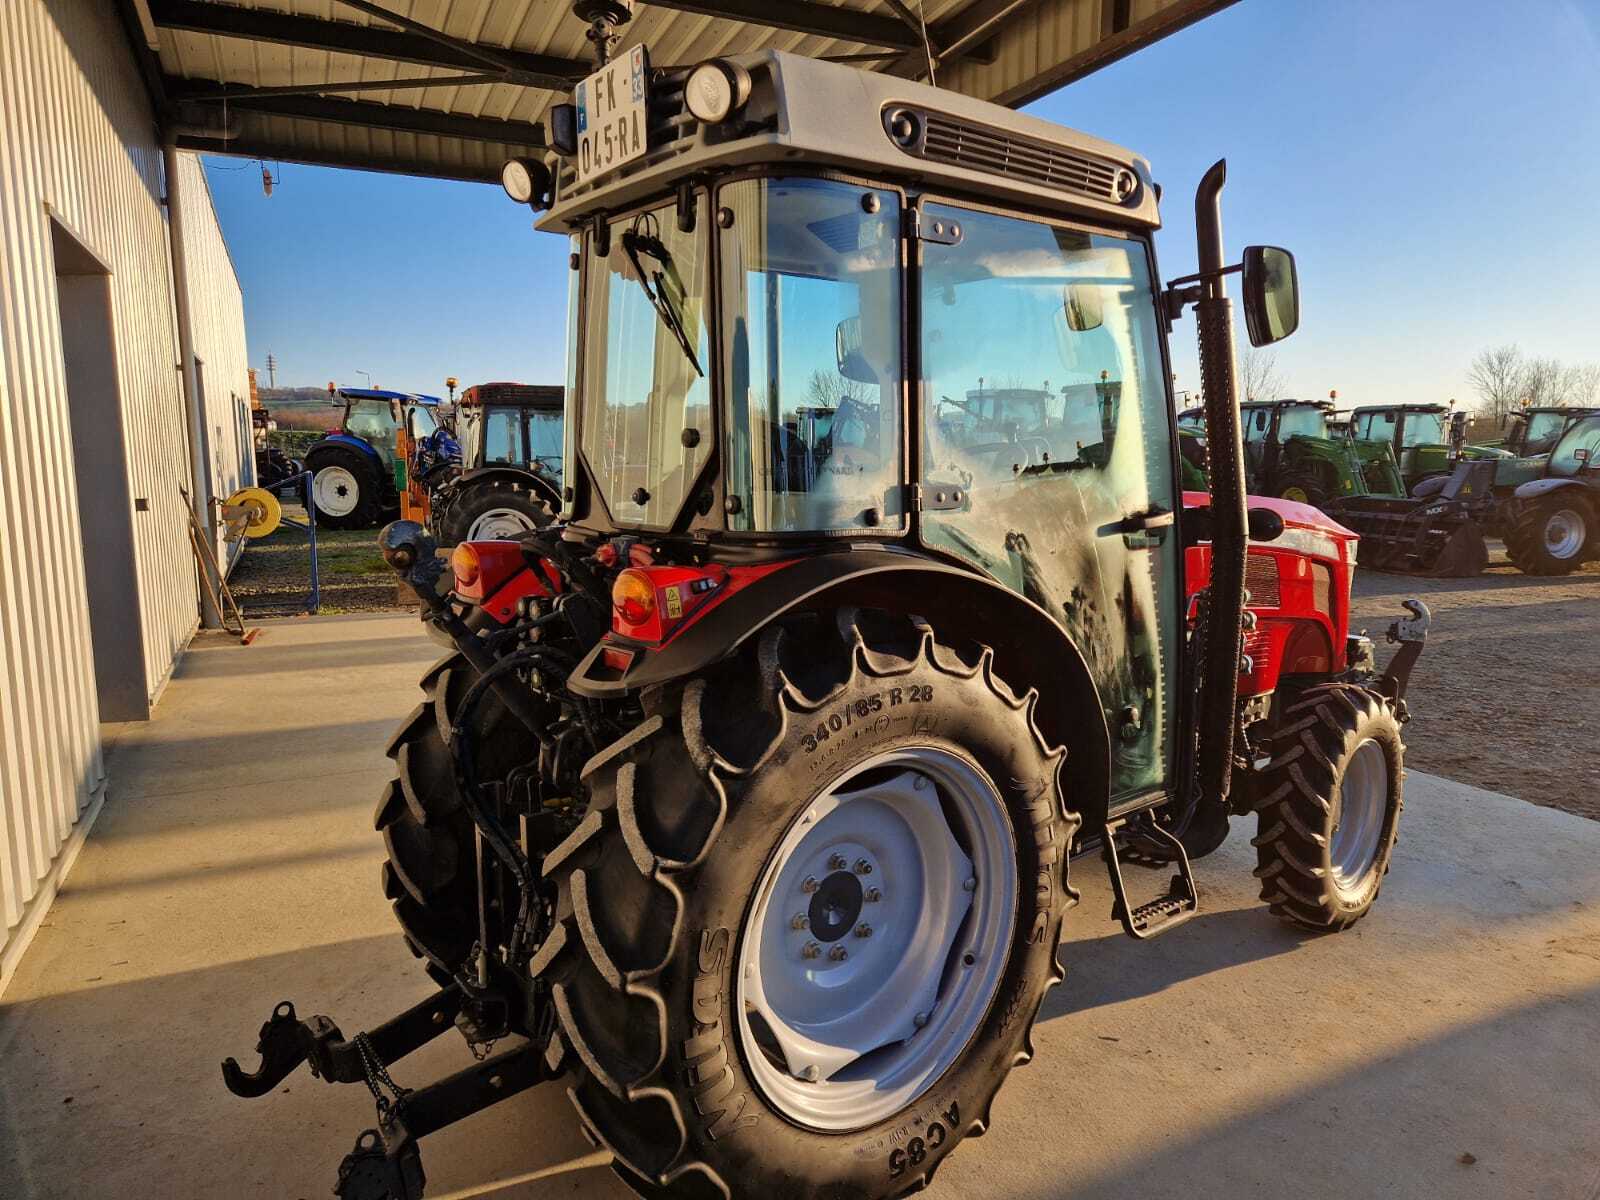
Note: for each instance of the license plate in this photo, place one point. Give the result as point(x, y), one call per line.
point(611, 115)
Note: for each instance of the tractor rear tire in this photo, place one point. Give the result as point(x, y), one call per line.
point(691, 817)
point(430, 872)
point(1329, 806)
point(492, 510)
point(339, 471)
point(1550, 536)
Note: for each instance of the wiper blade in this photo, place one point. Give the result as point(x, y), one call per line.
point(633, 245)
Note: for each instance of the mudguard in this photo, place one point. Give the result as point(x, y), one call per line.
point(1031, 651)
point(540, 486)
point(345, 439)
point(1535, 488)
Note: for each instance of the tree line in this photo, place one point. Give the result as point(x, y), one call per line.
point(1507, 380)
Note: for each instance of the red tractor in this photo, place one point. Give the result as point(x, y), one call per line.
point(747, 794)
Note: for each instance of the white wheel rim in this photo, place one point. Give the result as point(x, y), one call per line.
point(500, 524)
point(1358, 816)
point(849, 1017)
point(1564, 533)
point(336, 491)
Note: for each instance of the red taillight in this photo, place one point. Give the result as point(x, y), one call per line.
point(482, 568)
point(634, 597)
point(464, 564)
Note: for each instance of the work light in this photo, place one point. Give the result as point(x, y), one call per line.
point(715, 89)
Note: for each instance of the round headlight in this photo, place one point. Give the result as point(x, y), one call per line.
point(517, 179)
point(714, 89)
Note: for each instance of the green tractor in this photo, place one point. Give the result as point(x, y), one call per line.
point(1427, 438)
point(1551, 525)
point(1290, 453)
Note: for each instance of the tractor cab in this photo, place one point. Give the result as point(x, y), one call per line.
point(512, 437)
point(1427, 439)
point(1535, 431)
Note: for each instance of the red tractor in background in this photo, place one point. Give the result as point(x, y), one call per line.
point(748, 791)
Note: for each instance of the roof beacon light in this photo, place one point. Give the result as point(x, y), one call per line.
point(715, 89)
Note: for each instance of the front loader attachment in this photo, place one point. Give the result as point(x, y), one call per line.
point(1440, 535)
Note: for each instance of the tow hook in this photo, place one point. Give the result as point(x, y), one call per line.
point(1409, 633)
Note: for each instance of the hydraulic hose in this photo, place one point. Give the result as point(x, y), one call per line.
point(1219, 694)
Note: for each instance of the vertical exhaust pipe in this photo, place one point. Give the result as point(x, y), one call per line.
point(1219, 694)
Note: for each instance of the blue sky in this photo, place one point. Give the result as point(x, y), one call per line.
point(1433, 164)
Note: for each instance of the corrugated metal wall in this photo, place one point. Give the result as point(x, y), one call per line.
point(78, 147)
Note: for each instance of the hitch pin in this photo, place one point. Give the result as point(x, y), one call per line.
point(599, 1158)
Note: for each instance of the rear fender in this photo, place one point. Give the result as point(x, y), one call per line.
point(540, 486)
point(349, 442)
point(1031, 651)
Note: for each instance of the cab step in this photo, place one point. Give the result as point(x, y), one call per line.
point(1153, 917)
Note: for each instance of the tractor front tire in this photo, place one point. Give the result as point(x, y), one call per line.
point(1306, 487)
point(1329, 806)
point(345, 489)
point(495, 509)
point(1550, 536)
point(698, 829)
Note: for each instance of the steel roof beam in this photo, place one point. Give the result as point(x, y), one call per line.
point(342, 37)
point(360, 112)
point(281, 151)
point(806, 16)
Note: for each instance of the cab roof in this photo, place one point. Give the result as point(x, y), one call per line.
point(380, 394)
point(807, 113)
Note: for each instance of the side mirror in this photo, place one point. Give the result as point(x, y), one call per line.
point(848, 355)
point(1083, 305)
point(1271, 294)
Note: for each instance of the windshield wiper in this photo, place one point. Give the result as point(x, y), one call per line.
point(635, 244)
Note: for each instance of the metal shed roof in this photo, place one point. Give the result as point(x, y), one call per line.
point(315, 80)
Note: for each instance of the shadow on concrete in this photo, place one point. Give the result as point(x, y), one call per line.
point(1498, 1107)
point(115, 1091)
point(1115, 968)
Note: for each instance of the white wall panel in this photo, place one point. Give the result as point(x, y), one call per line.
point(78, 146)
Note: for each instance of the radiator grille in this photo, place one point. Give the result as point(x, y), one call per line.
point(978, 147)
point(1261, 579)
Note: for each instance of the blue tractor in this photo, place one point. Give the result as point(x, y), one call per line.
point(359, 476)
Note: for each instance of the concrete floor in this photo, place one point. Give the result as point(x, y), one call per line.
point(1445, 1047)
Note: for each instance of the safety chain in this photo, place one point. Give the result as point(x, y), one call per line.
point(377, 1074)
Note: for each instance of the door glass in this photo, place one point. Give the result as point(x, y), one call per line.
point(502, 440)
point(1056, 435)
point(811, 302)
point(646, 397)
point(1380, 426)
point(544, 444)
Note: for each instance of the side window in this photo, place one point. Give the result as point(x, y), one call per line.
point(1363, 423)
point(1046, 419)
point(1380, 426)
point(502, 438)
point(1257, 423)
point(374, 421)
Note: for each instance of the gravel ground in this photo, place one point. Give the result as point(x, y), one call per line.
point(274, 576)
point(1504, 696)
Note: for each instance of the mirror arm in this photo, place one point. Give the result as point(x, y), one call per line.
point(1175, 299)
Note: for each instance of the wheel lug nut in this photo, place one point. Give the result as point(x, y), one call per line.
point(919, 782)
point(838, 954)
point(809, 885)
point(970, 885)
point(799, 921)
point(863, 930)
point(837, 862)
point(921, 1019)
point(810, 1073)
point(863, 867)
point(812, 950)
point(873, 895)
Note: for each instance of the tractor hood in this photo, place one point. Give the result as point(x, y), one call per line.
point(1305, 528)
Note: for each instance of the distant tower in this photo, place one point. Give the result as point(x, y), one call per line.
point(272, 371)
